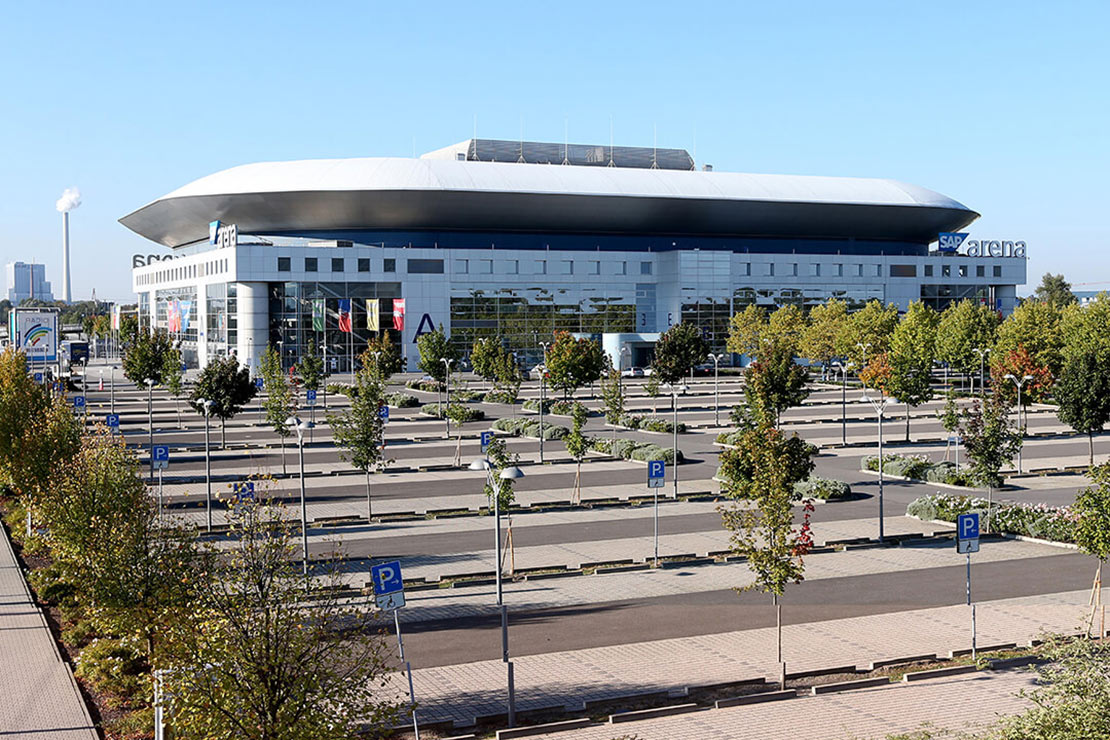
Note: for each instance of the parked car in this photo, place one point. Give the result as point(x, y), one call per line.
point(632, 372)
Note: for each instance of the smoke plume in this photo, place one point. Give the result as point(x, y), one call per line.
point(71, 198)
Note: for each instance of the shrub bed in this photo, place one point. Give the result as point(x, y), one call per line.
point(825, 489)
point(457, 411)
point(464, 396)
point(340, 389)
point(627, 449)
point(533, 404)
point(499, 397)
point(919, 468)
point(520, 427)
point(1056, 523)
point(402, 400)
point(420, 384)
point(650, 423)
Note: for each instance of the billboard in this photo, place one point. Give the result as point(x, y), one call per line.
point(35, 333)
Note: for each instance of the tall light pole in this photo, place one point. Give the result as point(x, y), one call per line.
point(250, 356)
point(543, 395)
point(843, 370)
point(620, 359)
point(206, 404)
point(716, 389)
point(864, 346)
point(112, 385)
point(1021, 427)
point(675, 388)
point(447, 387)
point(510, 473)
point(301, 427)
point(880, 405)
point(982, 352)
point(150, 421)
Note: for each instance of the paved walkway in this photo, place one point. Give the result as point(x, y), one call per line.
point(960, 703)
point(463, 693)
point(38, 695)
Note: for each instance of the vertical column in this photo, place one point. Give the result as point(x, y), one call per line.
point(253, 318)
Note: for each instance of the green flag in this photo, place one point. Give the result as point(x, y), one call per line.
point(317, 314)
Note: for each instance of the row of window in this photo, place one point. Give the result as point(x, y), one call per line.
point(185, 272)
point(462, 266)
point(962, 271)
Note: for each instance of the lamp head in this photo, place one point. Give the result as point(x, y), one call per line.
point(1027, 377)
point(292, 421)
point(511, 473)
point(478, 465)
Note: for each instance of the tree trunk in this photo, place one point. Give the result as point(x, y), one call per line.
point(283, 470)
point(778, 636)
point(223, 434)
point(578, 484)
point(907, 423)
point(1091, 448)
point(369, 506)
point(990, 506)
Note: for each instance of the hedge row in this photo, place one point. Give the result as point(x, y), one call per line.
point(627, 449)
point(1044, 522)
point(402, 400)
point(420, 384)
point(919, 468)
point(499, 397)
point(825, 489)
point(650, 423)
point(467, 413)
point(521, 427)
point(339, 389)
point(464, 396)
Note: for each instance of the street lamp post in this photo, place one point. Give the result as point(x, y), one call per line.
point(447, 387)
point(843, 370)
point(675, 388)
point(206, 404)
point(510, 473)
point(112, 385)
point(880, 405)
point(716, 390)
point(150, 421)
point(1021, 427)
point(982, 352)
point(300, 427)
point(864, 346)
point(543, 394)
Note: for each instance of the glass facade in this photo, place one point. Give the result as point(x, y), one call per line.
point(187, 302)
point(291, 319)
point(940, 296)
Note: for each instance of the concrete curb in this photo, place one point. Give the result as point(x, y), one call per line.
point(862, 683)
point(653, 713)
point(739, 701)
point(570, 724)
point(954, 670)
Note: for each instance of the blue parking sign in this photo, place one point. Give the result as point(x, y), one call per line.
point(310, 397)
point(383, 413)
point(160, 455)
point(656, 472)
point(487, 437)
point(386, 577)
point(258, 383)
point(79, 402)
point(967, 526)
point(112, 420)
point(244, 491)
point(38, 378)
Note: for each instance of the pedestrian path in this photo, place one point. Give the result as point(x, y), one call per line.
point(39, 697)
point(465, 693)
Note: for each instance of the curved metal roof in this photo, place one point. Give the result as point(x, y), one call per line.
point(415, 194)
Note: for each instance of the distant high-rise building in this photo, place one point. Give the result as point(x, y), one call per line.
point(27, 281)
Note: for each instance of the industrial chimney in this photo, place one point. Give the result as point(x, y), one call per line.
point(71, 198)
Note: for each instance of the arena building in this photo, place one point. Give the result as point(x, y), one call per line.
point(519, 239)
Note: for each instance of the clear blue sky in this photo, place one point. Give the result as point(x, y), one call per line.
point(1001, 105)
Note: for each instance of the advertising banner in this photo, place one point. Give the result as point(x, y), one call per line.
point(318, 314)
point(399, 314)
point(35, 333)
point(373, 314)
point(345, 315)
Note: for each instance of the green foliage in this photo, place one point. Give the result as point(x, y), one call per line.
point(912, 350)
point(990, 438)
point(311, 367)
point(524, 427)
point(499, 457)
point(381, 356)
point(358, 430)
point(965, 327)
point(825, 489)
point(279, 394)
point(419, 384)
point(612, 395)
point(1083, 392)
point(115, 670)
point(146, 357)
point(1056, 290)
point(572, 363)
point(22, 403)
point(679, 349)
point(949, 416)
point(1092, 512)
point(872, 327)
point(1039, 328)
point(502, 397)
point(775, 383)
point(456, 412)
point(819, 338)
point(1028, 520)
point(402, 400)
point(650, 423)
point(484, 357)
point(785, 328)
point(227, 385)
point(746, 329)
point(172, 375)
point(576, 442)
point(434, 349)
point(249, 661)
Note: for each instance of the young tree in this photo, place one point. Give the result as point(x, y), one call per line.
point(508, 377)
point(877, 373)
point(381, 350)
point(612, 394)
point(229, 387)
point(22, 403)
point(867, 332)
point(499, 457)
point(485, 355)
point(572, 363)
point(1056, 290)
point(775, 383)
point(679, 349)
point(577, 446)
point(252, 660)
point(360, 431)
point(173, 376)
point(786, 326)
point(746, 330)
point(651, 387)
point(819, 338)
point(1083, 392)
point(146, 357)
point(759, 476)
point(280, 400)
point(311, 367)
point(965, 327)
point(911, 357)
point(1092, 526)
point(991, 441)
point(1038, 328)
point(1020, 363)
point(434, 349)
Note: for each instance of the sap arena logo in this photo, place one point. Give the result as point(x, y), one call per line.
point(223, 235)
point(142, 260)
point(949, 243)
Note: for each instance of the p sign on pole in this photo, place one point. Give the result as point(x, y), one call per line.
point(310, 397)
point(383, 413)
point(967, 542)
point(657, 471)
point(487, 437)
point(258, 383)
point(389, 587)
point(112, 420)
point(161, 457)
point(79, 403)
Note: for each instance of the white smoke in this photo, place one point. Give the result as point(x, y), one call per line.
point(71, 198)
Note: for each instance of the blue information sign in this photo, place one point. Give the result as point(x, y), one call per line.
point(258, 383)
point(244, 491)
point(160, 454)
point(38, 378)
point(967, 526)
point(387, 577)
point(656, 472)
point(78, 402)
point(112, 420)
point(310, 397)
point(383, 413)
point(487, 437)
